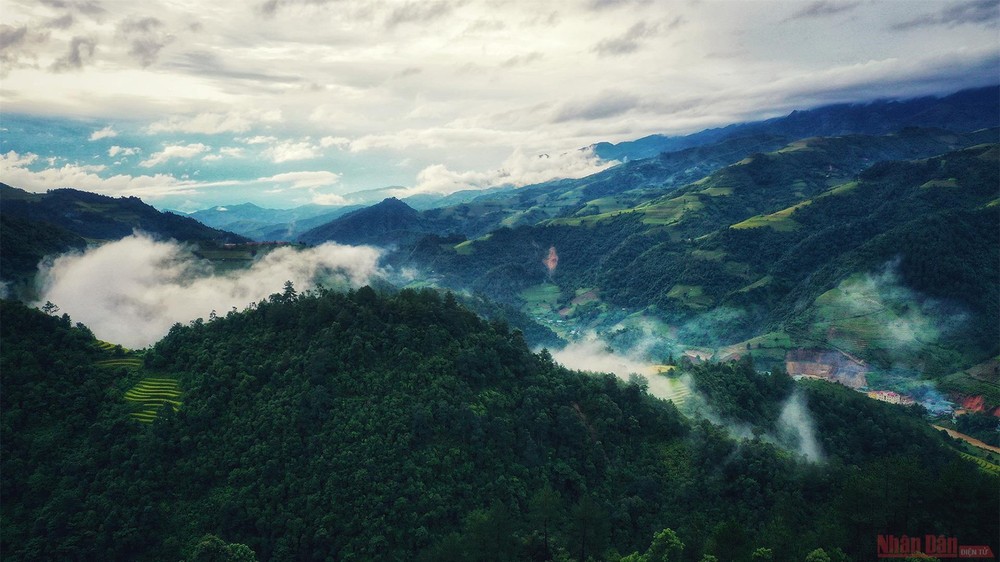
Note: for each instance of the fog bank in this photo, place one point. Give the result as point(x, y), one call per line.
point(132, 291)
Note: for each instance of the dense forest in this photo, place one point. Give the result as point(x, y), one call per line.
point(763, 239)
point(38, 225)
point(399, 426)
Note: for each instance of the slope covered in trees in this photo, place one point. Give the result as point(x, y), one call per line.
point(35, 225)
point(401, 426)
point(967, 110)
point(753, 246)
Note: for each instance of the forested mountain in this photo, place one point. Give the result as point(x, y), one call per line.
point(858, 242)
point(751, 220)
point(633, 183)
point(773, 244)
point(35, 225)
point(99, 217)
point(389, 222)
point(263, 224)
point(360, 426)
point(967, 110)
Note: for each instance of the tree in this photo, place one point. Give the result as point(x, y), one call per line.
point(762, 555)
point(544, 509)
point(213, 549)
point(50, 308)
point(289, 294)
point(666, 547)
point(589, 528)
point(818, 555)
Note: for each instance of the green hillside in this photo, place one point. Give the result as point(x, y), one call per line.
point(36, 225)
point(403, 427)
point(793, 241)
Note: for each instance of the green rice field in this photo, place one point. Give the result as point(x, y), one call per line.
point(152, 394)
point(126, 362)
point(983, 463)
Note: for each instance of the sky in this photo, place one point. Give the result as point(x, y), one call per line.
point(281, 103)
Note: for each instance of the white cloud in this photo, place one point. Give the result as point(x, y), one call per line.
point(12, 160)
point(14, 170)
point(174, 151)
point(215, 123)
point(431, 137)
point(258, 139)
point(493, 76)
point(291, 150)
point(124, 151)
point(518, 170)
point(105, 133)
point(328, 199)
point(304, 180)
point(339, 142)
point(132, 291)
point(592, 354)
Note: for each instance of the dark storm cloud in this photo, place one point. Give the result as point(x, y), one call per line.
point(417, 12)
point(521, 60)
point(62, 22)
point(209, 64)
point(12, 36)
point(271, 7)
point(140, 25)
point(606, 4)
point(607, 104)
point(18, 47)
point(629, 41)
point(88, 7)
point(145, 37)
point(976, 12)
point(823, 8)
point(81, 51)
point(146, 49)
point(409, 71)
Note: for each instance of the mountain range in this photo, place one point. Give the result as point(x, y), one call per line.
point(263, 224)
point(423, 416)
point(36, 225)
point(749, 245)
point(962, 111)
point(666, 161)
point(754, 239)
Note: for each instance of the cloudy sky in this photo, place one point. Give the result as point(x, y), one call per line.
point(189, 104)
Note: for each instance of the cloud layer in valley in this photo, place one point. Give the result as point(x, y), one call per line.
point(132, 291)
point(590, 353)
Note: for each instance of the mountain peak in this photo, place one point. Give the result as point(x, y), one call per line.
point(393, 202)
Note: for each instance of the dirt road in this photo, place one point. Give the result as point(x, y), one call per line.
point(971, 440)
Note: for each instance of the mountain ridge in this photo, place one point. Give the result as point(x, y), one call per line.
point(966, 110)
point(36, 225)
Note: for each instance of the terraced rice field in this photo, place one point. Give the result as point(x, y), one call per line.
point(983, 463)
point(152, 394)
point(669, 388)
point(127, 362)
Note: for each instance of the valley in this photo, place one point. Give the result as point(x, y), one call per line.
point(722, 342)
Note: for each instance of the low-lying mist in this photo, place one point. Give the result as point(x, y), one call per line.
point(132, 291)
point(593, 354)
point(794, 431)
point(797, 429)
